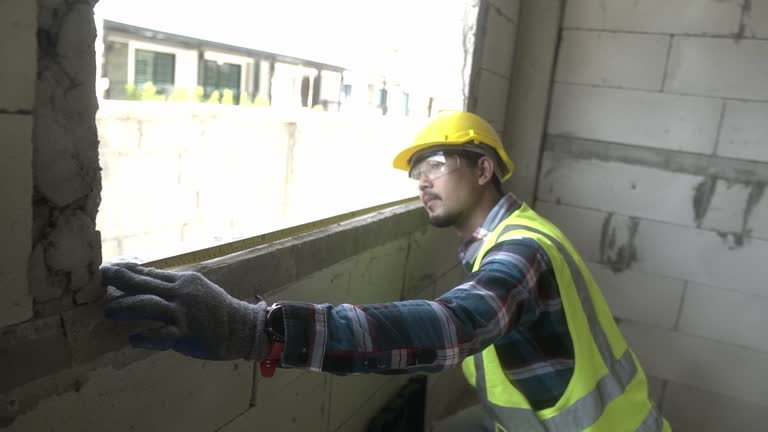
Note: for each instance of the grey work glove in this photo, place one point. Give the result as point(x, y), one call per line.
point(200, 319)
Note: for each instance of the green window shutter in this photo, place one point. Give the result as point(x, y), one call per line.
point(210, 77)
point(164, 68)
point(221, 76)
point(230, 77)
point(143, 67)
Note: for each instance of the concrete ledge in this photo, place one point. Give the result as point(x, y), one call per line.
point(267, 268)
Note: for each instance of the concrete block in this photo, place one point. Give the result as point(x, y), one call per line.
point(633, 190)
point(377, 275)
point(374, 276)
point(16, 219)
point(265, 269)
point(727, 207)
point(432, 252)
point(671, 250)
point(708, 17)
point(492, 97)
point(20, 348)
point(499, 41)
point(710, 365)
point(702, 256)
point(756, 19)
point(720, 67)
point(292, 400)
point(360, 394)
point(642, 118)
point(688, 408)
point(725, 315)
point(323, 251)
point(18, 38)
point(359, 418)
point(92, 336)
point(744, 130)
point(627, 60)
point(582, 227)
point(643, 297)
point(149, 395)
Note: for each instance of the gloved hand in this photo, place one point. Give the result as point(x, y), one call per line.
point(200, 319)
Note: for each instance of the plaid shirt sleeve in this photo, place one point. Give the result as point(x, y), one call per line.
point(418, 335)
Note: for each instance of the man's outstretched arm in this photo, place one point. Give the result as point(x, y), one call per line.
point(201, 320)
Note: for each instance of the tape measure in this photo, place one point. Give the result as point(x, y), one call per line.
point(236, 246)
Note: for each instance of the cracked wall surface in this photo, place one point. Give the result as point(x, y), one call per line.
point(66, 246)
point(655, 165)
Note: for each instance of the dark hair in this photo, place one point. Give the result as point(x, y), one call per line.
point(474, 158)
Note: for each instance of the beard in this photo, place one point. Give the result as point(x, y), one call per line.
point(444, 220)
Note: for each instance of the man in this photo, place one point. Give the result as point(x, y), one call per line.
point(528, 324)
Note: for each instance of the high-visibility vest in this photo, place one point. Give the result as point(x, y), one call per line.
point(608, 391)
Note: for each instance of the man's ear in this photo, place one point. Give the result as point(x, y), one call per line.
point(485, 170)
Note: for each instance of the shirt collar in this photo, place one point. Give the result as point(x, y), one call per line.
point(471, 248)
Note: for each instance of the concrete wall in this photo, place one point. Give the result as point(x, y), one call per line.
point(655, 165)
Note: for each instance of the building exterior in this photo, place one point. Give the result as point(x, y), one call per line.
point(185, 68)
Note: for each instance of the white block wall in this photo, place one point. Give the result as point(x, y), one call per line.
point(18, 26)
point(658, 139)
point(496, 36)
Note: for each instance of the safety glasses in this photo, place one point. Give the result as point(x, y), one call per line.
point(435, 166)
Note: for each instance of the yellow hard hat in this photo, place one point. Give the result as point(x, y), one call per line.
point(455, 128)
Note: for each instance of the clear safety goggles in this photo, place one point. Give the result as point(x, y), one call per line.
point(435, 166)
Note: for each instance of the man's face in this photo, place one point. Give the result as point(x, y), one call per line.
point(448, 187)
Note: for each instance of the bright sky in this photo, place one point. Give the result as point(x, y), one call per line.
point(421, 39)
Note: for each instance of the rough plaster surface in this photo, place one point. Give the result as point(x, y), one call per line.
point(66, 166)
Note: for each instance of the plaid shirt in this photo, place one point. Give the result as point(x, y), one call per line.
point(511, 301)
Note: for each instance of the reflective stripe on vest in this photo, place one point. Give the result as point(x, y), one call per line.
point(584, 412)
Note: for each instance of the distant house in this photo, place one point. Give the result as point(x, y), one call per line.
point(179, 66)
